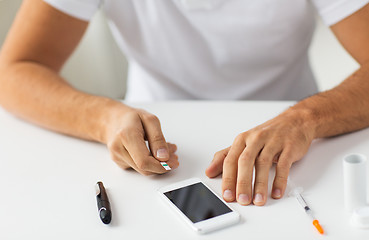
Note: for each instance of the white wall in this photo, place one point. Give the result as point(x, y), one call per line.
point(7, 12)
point(98, 67)
point(329, 60)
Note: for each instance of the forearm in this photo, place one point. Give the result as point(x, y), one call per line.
point(37, 94)
point(342, 109)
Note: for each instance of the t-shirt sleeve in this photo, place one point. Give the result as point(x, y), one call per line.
point(333, 11)
point(82, 9)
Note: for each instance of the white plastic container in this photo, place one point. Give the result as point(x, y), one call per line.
point(354, 181)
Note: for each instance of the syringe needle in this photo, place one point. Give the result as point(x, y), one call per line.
point(296, 191)
point(309, 212)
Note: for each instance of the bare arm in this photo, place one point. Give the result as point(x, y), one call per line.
point(35, 50)
point(286, 138)
point(39, 42)
point(344, 108)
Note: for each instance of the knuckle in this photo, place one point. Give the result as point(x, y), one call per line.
point(242, 183)
point(272, 149)
point(261, 184)
point(114, 148)
point(228, 161)
point(176, 164)
point(110, 144)
point(263, 161)
point(281, 179)
point(125, 134)
point(245, 157)
point(142, 165)
point(173, 164)
point(157, 138)
point(240, 137)
point(150, 118)
point(132, 116)
point(259, 134)
point(130, 133)
point(219, 154)
point(172, 147)
point(228, 181)
point(115, 158)
point(133, 113)
point(284, 164)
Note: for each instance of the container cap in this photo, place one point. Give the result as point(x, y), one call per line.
point(360, 217)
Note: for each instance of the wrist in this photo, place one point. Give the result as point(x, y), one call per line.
point(110, 119)
point(304, 118)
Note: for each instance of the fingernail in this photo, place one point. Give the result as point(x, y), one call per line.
point(227, 195)
point(259, 198)
point(162, 153)
point(277, 193)
point(243, 199)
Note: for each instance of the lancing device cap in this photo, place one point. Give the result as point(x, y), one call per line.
point(360, 217)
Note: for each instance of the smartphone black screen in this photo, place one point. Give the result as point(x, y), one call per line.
point(197, 202)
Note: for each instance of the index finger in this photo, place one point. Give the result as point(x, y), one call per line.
point(230, 168)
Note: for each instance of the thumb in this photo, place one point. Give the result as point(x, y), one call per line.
point(216, 166)
point(158, 146)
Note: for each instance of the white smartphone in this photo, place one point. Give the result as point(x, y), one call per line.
point(198, 205)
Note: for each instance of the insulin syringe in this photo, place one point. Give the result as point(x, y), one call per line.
point(296, 192)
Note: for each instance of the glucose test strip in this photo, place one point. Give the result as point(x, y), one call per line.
point(165, 165)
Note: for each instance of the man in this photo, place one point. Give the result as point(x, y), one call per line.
point(187, 49)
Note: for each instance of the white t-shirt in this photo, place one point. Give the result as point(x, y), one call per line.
point(215, 49)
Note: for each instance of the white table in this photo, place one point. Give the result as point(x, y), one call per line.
point(47, 180)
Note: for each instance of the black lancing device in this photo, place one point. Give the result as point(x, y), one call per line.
point(103, 204)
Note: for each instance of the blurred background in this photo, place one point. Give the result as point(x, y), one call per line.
point(98, 66)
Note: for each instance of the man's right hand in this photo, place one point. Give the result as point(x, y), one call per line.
point(37, 46)
point(126, 140)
